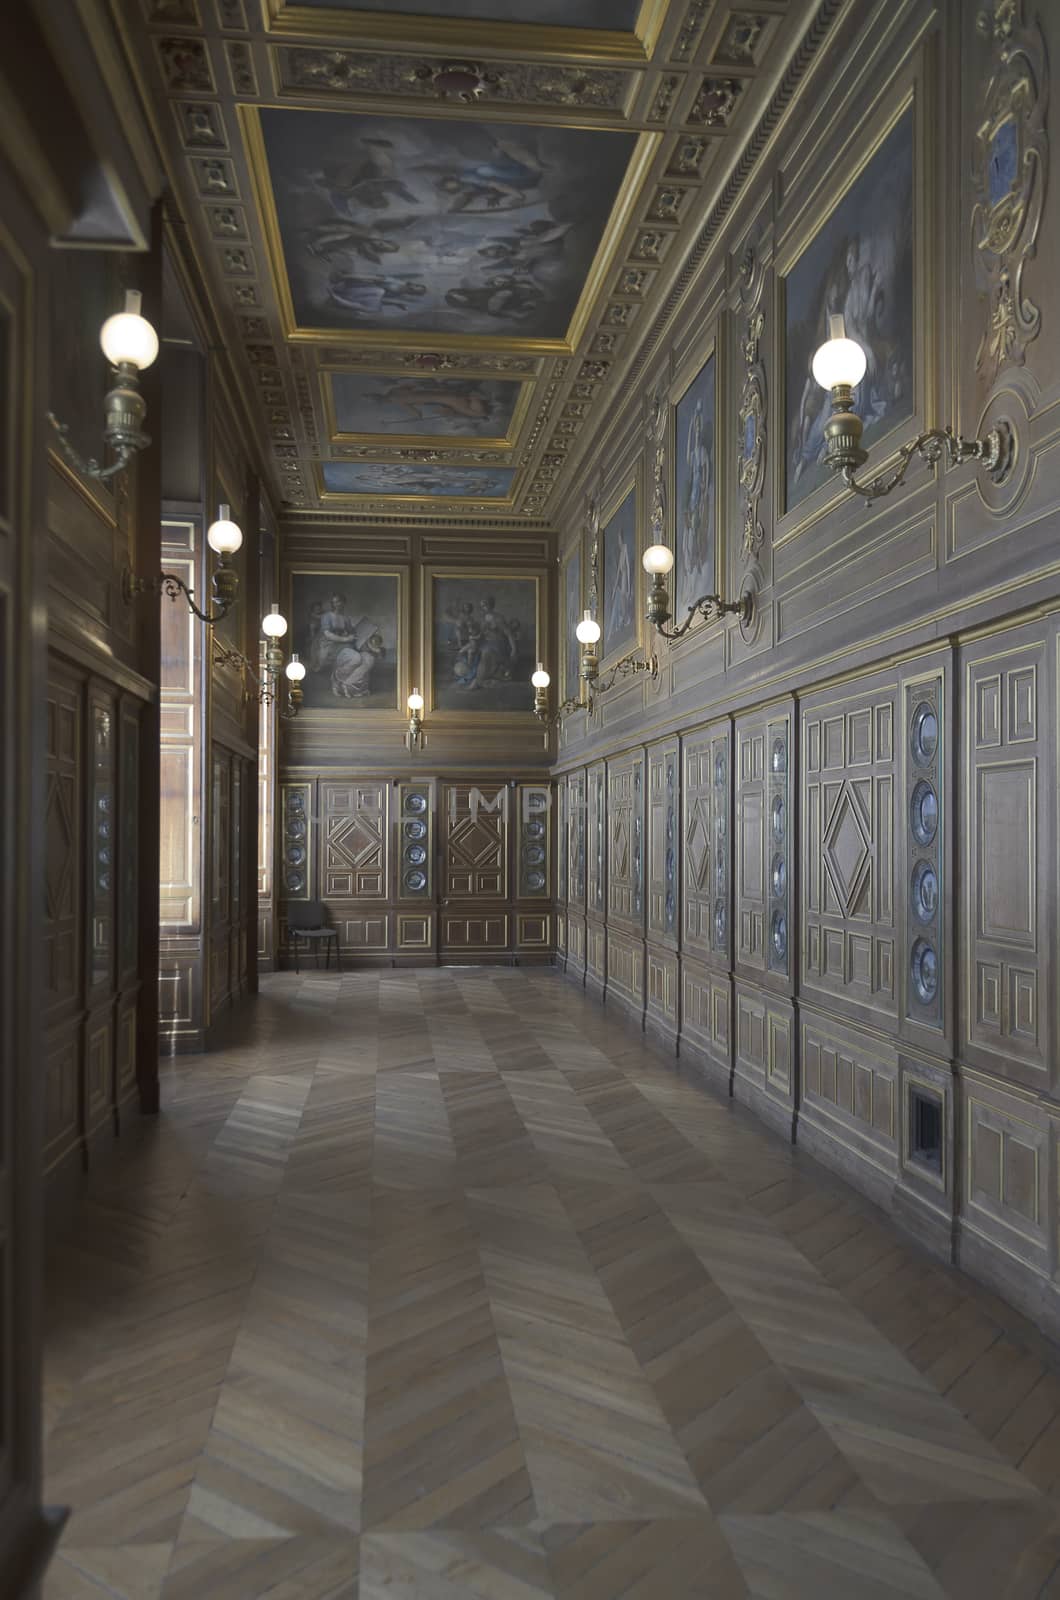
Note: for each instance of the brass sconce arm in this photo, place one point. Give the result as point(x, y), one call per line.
point(267, 687)
point(225, 589)
point(125, 443)
point(626, 667)
point(839, 365)
point(658, 562)
point(995, 453)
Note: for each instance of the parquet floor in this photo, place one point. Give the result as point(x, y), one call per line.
point(445, 1285)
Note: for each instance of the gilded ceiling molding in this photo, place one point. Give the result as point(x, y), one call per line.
point(1010, 170)
point(810, 44)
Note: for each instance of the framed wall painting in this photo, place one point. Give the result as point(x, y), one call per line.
point(859, 263)
point(618, 577)
point(347, 624)
point(695, 478)
point(572, 612)
point(484, 637)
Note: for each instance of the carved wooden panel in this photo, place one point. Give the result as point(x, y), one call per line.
point(763, 841)
point(596, 810)
point(663, 853)
point(533, 841)
point(532, 930)
point(102, 743)
point(562, 851)
point(63, 834)
point(1008, 1183)
point(475, 842)
point(625, 969)
point(481, 933)
point(354, 835)
point(415, 930)
point(705, 859)
point(415, 827)
point(576, 839)
point(926, 823)
point(850, 1089)
point(128, 844)
point(625, 854)
point(296, 841)
point(848, 846)
point(1009, 956)
point(706, 1003)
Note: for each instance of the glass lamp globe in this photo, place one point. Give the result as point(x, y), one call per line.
point(295, 669)
point(224, 536)
point(415, 701)
point(274, 624)
point(588, 629)
point(129, 337)
point(540, 679)
point(658, 558)
point(839, 360)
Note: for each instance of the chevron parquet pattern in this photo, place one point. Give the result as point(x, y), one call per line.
point(446, 1285)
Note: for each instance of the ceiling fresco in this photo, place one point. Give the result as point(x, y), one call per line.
point(411, 481)
point(435, 231)
point(436, 227)
point(380, 405)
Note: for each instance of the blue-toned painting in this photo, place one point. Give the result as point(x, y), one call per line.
point(412, 224)
point(413, 479)
point(484, 643)
point(572, 613)
point(344, 626)
point(860, 264)
point(611, 14)
point(378, 403)
point(694, 491)
point(619, 586)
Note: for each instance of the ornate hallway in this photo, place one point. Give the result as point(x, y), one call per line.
point(446, 1284)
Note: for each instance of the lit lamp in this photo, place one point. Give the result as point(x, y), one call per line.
point(415, 738)
point(658, 561)
point(839, 366)
point(540, 680)
point(130, 344)
point(295, 671)
point(587, 634)
point(224, 538)
point(274, 626)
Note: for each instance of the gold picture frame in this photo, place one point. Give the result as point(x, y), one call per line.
point(382, 29)
point(413, 339)
point(424, 441)
point(906, 95)
point(632, 487)
point(347, 572)
point(430, 576)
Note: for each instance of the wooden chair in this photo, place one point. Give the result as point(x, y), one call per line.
point(308, 919)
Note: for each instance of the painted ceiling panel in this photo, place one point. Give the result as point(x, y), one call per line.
point(417, 225)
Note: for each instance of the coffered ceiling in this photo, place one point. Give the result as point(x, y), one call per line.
point(434, 230)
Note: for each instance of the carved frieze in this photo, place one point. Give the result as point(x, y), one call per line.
point(302, 69)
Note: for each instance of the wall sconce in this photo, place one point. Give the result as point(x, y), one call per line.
point(415, 738)
point(658, 561)
point(224, 538)
point(130, 344)
point(541, 680)
point(295, 672)
point(839, 366)
point(274, 626)
point(588, 635)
